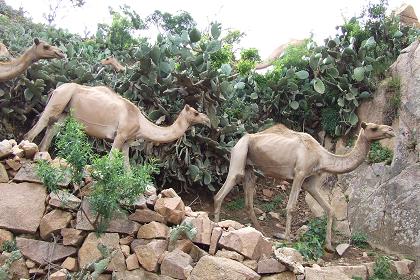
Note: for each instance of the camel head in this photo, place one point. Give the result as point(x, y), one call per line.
point(43, 50)
point(194, 117)
point(374, 131)
point(110, 60)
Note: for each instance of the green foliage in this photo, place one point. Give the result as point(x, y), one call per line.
point(359, 239)
point(330, 119)
point(186, 229)
point(273, 204)
point(73, 146)
point(394, 100)
point(378, 153)
point(173, 24)
point(382, 269)
point(222, 56)
point(249, 57)
point(9, 246)
point(4, 269)
point(293, 57)
point(113, 184)
point(310, 245)
point(236, 204)
point(50, 175)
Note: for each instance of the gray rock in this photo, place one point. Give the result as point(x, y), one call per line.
point(21, 206)
point(4, 178)
point(341, 249)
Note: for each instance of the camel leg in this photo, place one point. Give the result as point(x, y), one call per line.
point(52, 130)
point(236, 173)
point(249, 188)
point(291, 204)
point(314, 192)
point(55, 107)
point(126, 150)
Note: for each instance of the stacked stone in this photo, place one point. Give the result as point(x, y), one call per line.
point(55, 235)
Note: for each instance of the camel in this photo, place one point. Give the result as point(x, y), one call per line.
point(107, 115)
point(284, 154)
point(278, 52)
point(115, 64)
point(39, 50)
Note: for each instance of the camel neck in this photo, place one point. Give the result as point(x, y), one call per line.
point(15, 67)
point(162, 134)
point(338, 164)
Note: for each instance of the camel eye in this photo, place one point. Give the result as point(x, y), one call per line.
point(374, 128)
point(196, 114)
point(46, 47)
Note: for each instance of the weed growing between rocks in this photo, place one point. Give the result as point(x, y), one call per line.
point(236, 204)
point(379, 153)
point(186, 229)
point(4, 269)
point(310, 245)
point(9, 246)
point(273, 204)
point(50, 175)
point(359, 239)
point(382, 269)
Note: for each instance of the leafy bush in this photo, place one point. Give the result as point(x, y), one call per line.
point(114, 184)
point(311, 243)
point(50, 175)
point(359, 239)
point(393, 105)
point(72, 145)
point(378, 153)
point(382, 269)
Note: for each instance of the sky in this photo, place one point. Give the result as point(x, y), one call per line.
point(267, 24)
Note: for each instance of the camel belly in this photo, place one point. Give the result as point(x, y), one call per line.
point(99, 117)
point(275, 157)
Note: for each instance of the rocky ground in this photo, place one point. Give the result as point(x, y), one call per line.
point(56, 239)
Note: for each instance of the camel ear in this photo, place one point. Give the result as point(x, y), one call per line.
point(36, 41)
point(187, 107)
point(363, 125)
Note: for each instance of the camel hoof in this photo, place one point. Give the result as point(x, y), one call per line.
point(329, 249)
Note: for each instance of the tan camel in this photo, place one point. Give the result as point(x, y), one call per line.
point(39, 50)
point(4, 52)
point(284, 154)
point(115, 64)
point(277, 53)
point(107, 115)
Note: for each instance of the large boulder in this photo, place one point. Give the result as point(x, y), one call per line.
point(53, 222)
point(21, 206)
point(384, 200)
point(177, 264)
point(215, 268)
point(149, 254)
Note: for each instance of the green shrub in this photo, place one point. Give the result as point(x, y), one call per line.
point(72, 145)
point(50, 175)
point(382, 269)
point(394, 100)
point(378, 153)
point(359, 239)
point(310, 245)
point(114, 184)
point(186, 229)
point(330, 120)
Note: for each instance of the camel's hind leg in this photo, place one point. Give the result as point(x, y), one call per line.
point(52, 130)
point(291, 204)
point(236, 173)
point(312, 189)
point(55, 106)
point(249, 189)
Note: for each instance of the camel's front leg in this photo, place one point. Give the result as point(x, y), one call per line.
point(291, 204)
point(52, 130)
point(126, 152)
